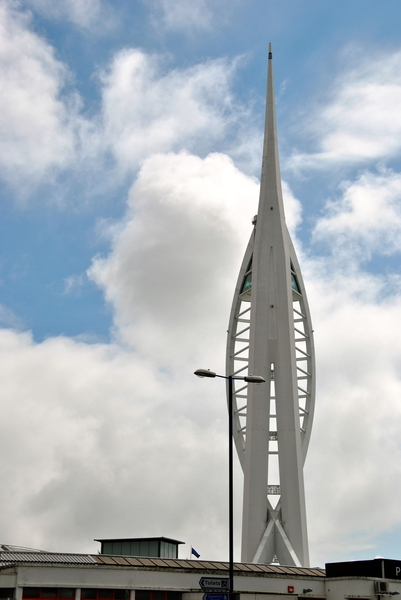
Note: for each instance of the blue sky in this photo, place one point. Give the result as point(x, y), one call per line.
point(130, 149)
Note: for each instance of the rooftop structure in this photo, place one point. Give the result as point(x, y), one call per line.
point(154, 546)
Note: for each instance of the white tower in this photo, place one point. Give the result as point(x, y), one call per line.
point(270, 334)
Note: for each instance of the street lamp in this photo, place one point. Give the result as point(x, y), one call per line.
point(230, 378)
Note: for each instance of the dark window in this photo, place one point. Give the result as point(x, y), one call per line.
point(153, 548)
point(135, 548)
point(88, 594)
point(144, 548)
point(157, 595)
point(126, 548)
point(6, 592)
point(31, 593)
point(42, 593)
point(107, 548)
point(116, 548)
point(109, 594)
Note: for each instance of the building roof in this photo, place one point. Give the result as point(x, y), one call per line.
point(141, 539)
point(10, 548)
point(103, 560)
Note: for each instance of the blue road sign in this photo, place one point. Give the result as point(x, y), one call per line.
point(215, 596)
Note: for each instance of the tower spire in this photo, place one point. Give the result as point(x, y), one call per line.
point(270, 334)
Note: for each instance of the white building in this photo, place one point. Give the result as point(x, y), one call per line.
point(36, 575)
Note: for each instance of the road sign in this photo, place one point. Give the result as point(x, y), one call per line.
point(214, 583)
point(215, 596)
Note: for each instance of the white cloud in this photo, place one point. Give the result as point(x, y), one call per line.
point(359, 120)
point(293, 209)
point(122, 438)
point(97, 442)
point(367, 217)
point(148, 110)
point(84, 13)
point(8, 318)
point(184, 14)
point(74, 283)
point(178, 254)
point(188, 16)
point(37, 124)
point(353, 466)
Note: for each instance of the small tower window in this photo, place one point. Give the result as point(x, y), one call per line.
point(247, 283)
point(294, 281)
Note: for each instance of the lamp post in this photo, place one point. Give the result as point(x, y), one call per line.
point(230, 378)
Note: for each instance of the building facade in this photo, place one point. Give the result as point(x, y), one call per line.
point(34, 575)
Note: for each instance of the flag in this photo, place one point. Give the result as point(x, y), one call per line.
point(194, 552)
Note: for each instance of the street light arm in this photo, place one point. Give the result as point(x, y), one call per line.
point(248, 378)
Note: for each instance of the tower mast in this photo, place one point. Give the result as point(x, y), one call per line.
point(270, 334)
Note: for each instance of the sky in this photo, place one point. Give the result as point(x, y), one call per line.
point(130, 151)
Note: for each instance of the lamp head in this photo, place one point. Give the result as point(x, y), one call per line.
point(204, 373)
point(254, 379)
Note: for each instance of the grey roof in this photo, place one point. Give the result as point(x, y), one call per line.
point(54, 558)
point(33, 556)
point(142, 539)
point(10, 548)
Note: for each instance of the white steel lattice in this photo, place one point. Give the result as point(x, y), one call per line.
point(238, 358)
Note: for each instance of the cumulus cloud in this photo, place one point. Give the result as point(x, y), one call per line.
point(359, 120)
point(97, 442)
point(84, 13)
point(147, 109)
point(32, 106)
point(353, 465)
point(178, 254)
point(122, 438)
point(366, 218)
